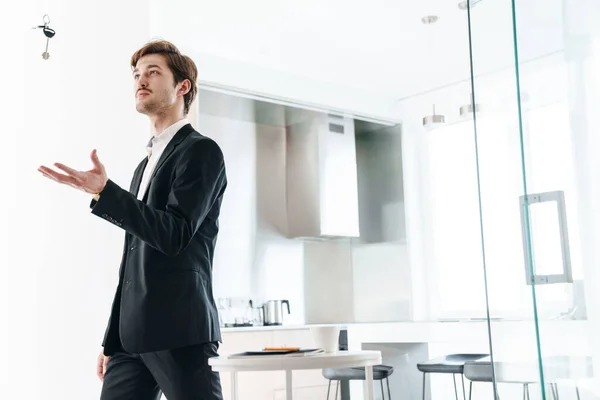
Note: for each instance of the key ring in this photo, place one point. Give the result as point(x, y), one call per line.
point(48, 32)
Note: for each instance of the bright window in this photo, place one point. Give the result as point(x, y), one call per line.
point(452, 220)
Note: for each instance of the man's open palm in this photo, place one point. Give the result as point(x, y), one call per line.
point(92, 181)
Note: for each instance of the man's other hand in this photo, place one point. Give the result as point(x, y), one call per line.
point(101, 365)
point(92, 181)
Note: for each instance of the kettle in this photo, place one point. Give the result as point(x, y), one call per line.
point(273, 311)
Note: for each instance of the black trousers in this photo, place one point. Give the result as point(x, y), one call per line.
point(179, 374)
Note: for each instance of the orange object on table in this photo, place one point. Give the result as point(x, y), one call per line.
point(281, 348)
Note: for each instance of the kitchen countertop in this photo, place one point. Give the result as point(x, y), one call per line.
point(417, 331)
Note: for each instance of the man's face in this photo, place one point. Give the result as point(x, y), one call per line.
point(154, 86)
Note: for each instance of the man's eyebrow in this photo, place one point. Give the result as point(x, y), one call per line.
point(149, 66)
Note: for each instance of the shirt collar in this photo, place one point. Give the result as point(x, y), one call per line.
point(165, 136)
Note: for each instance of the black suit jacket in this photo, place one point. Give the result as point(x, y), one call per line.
point(164, 298)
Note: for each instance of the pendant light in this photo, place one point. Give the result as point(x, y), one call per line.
point(434, 120)
point(464, 4)
point(467, 110)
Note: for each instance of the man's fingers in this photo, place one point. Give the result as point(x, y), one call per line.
point(104, 364)
point(61, 178)
point(101, 367)
point(68, 170)
point(96, 161)
point(99, 370)
point(48, 174)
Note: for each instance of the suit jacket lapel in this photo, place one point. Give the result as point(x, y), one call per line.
point(177, 139)
point(133, 189)
point(137, 177)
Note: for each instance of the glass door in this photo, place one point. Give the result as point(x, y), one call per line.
point(535, 86)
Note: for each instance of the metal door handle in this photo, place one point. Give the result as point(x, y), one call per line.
point(528, 201)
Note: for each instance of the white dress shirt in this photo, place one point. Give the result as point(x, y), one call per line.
point(155, 147)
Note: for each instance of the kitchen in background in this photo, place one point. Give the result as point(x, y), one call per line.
point(315, 196)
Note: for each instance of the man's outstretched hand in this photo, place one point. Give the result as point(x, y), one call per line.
point(92, 181)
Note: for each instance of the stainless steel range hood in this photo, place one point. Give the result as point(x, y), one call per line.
point(322, 191)
point(319, 159)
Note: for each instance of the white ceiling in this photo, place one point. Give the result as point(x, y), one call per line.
point(377, 45)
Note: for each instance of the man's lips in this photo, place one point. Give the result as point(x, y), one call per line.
point(143, 93)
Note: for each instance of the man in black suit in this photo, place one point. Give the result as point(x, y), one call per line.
point(164, 323)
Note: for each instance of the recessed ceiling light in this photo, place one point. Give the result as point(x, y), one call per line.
point(429, 19)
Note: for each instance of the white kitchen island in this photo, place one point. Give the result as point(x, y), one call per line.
point(425, 340)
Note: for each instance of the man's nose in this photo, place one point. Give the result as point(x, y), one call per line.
point(142, 83)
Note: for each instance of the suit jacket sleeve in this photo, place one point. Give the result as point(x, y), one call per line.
point(198, 182)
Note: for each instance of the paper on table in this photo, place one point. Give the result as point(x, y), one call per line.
point(277, 353)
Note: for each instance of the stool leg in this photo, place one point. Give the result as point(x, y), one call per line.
point(234, 386)
point(337, 385)
point(470, 389)
point(462, 378)
point(554, 389)
point(328, 389)
point(455, 389)
point(382, 393)
point(577, 392)
point(424, 381)
point(387, 381)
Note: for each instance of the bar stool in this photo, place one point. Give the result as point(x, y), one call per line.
point(380, 372)
point(481, 371)
point(449, 364)
point(556, 368)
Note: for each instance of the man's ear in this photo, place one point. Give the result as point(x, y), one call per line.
point(185, 87)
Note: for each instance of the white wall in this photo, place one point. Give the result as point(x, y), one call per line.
point(10, 105)
point(60, 263)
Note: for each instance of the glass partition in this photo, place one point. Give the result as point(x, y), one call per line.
point(537, 181)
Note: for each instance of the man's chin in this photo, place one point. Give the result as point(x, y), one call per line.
point(141, 109)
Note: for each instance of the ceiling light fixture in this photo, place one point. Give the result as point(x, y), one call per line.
point(466, 111)
point(434, 120)
point(429, 19)
point(465, 4)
